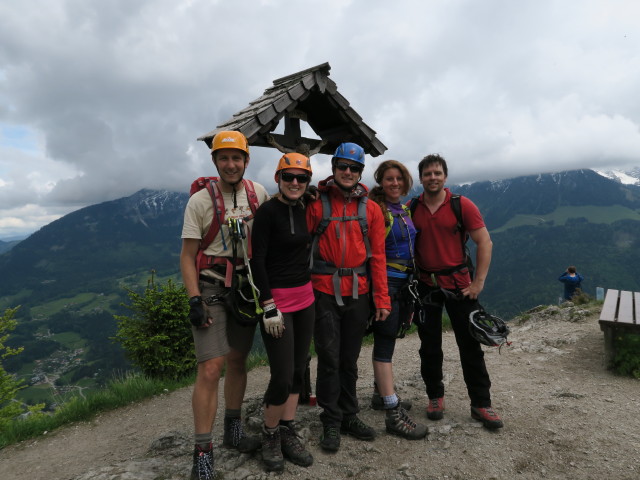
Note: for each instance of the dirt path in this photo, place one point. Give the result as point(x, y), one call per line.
point(565, 417)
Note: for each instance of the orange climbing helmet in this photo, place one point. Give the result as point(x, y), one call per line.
point(229, 139)
point(294, 160)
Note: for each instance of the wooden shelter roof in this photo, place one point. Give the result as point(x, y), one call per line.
point(308, 95)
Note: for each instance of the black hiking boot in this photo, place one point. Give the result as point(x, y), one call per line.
point(272, 450)
point(357, 428)
point(292, 447)
point(330, 439)
point(202, 463)
point(399, 423)
point(234, 437)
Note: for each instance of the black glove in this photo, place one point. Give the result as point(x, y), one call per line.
point(196, 311)
point(311, 194)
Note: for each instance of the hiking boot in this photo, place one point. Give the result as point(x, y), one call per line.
point(435, 408)
point(292, 447)
point(330, 439)
point(487, 416)
point(378, 404)
point(399, 423)
point(234, 436)
point(357, 428)
point(272, 451)
point(202, 463)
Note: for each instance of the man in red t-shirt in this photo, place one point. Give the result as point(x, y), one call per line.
point(445, 282)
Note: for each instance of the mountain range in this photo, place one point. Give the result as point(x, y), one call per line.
point(72, 275)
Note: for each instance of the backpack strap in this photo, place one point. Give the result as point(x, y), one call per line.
point(323, 267)
point(413, 204)
point(456, 206)
point(211, 184)
point(252, 198)
point(390, 216)
point(218, 214)
point(457, 211)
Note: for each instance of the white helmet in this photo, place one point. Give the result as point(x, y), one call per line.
point(488, 329)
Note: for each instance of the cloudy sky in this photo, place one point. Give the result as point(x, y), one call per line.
point(99, 99)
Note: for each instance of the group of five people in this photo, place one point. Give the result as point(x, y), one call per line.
point(328, 266)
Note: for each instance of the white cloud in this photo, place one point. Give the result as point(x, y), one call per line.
point(114, 94)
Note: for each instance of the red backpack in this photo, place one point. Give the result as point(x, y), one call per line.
point(210, 183)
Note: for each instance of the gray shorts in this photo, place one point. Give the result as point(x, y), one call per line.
point(222, 335)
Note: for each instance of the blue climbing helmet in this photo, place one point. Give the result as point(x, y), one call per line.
point(349, 151)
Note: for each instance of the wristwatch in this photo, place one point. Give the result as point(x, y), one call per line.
point(270, 310)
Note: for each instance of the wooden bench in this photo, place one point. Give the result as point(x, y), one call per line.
point(620, 313)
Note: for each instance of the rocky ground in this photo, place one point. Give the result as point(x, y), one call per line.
point(566, 417)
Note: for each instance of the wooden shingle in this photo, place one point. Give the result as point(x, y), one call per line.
point(309, 95)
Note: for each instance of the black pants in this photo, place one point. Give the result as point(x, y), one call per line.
point(288, 355)
point(384, 333)
point(338, 337)
point(474, 369)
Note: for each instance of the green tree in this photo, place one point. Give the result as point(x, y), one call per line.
point(9, 386)
point(157, 336)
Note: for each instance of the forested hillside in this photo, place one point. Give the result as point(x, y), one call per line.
point(71, 276)
point(527, 262)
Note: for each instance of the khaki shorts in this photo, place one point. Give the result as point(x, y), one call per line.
point(223, 334)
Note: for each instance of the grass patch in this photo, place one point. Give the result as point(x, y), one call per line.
point(70, 340)
point(127, 389)
point(627, 355)
point(35, 394)
point(560, 215)
point(85, 302)
point(19, 298)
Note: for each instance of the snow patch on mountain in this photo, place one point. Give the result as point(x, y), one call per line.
point(631, 177)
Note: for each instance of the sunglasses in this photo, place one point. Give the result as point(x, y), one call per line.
point(290, 177)
point(354, 168)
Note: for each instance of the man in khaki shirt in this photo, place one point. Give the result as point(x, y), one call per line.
point(217, 337)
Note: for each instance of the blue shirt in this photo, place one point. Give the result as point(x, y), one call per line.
point(401, 239)
point(570, 284)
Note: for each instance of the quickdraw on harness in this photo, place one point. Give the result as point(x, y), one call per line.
point(455, 203)
point(211, 184)
point(241, 304)
point(323, 267)
point(409, 293)
point(238, 234)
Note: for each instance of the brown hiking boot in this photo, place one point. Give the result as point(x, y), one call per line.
point(292, 447)
point(272, 450)
point(399, 423)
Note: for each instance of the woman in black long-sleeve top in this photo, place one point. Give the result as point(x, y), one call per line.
point(280, 264)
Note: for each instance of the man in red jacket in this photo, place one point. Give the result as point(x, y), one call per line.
point(348, 251)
